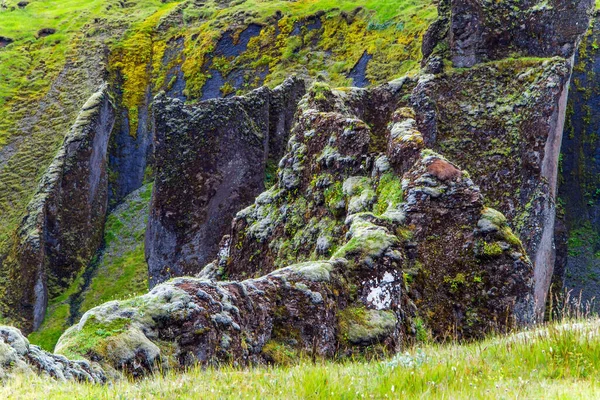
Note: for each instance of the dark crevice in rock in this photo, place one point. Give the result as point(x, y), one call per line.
point(5, 41)
point(311, 23)
point(42, 33)
point(230, 45)
point(174, 57)
point(130, 152)
point(578, 243)
point(358, 74)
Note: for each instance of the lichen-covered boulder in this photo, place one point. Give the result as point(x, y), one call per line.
point(210, 161)
point(17, 356)
point(486, 267)
point(369, 257)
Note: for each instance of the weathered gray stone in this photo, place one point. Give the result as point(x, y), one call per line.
point(210, 162)
point(17, 356)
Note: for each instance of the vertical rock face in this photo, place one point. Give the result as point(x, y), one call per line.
point(366, 241)
point(480, 31)
point(130, 152)
point(210, 162)
point(578, 264)
point(63, 226)
point(508, 130)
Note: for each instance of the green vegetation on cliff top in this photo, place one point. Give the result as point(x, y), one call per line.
point(44, 80)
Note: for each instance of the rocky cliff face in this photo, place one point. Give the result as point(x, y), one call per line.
point(578, 245)
point(191, 51)
point(424, 207)
point(510, 133)
point(364, 259)
point(480, 31)
point(63, 227)
point(210, 162)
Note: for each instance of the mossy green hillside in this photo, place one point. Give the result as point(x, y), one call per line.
point(389, 31)
point(44, 80)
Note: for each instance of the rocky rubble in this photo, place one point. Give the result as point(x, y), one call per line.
point(18, 356)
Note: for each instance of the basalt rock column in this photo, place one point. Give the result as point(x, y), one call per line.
point(210, 161)
point(64, 224)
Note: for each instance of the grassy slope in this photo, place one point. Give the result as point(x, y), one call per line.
point(32, 126)
point(562, 361)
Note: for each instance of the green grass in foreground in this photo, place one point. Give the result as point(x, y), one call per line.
point(558, 362)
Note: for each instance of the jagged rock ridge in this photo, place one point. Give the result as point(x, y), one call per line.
point(64, 223)
point(210, 162)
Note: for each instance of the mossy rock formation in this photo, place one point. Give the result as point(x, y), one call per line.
point(330, 223)
point(356, 278)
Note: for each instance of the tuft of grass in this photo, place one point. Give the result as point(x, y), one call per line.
point(556, 361)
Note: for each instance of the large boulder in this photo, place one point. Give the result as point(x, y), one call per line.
point(503, 122)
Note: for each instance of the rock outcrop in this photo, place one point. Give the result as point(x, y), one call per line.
point(210, 161)
point(508, 131)
point(478, 31)
point(364, 259)
point(17, 356)
point(63, 226)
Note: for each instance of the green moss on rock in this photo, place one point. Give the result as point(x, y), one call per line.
point(358, 325)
